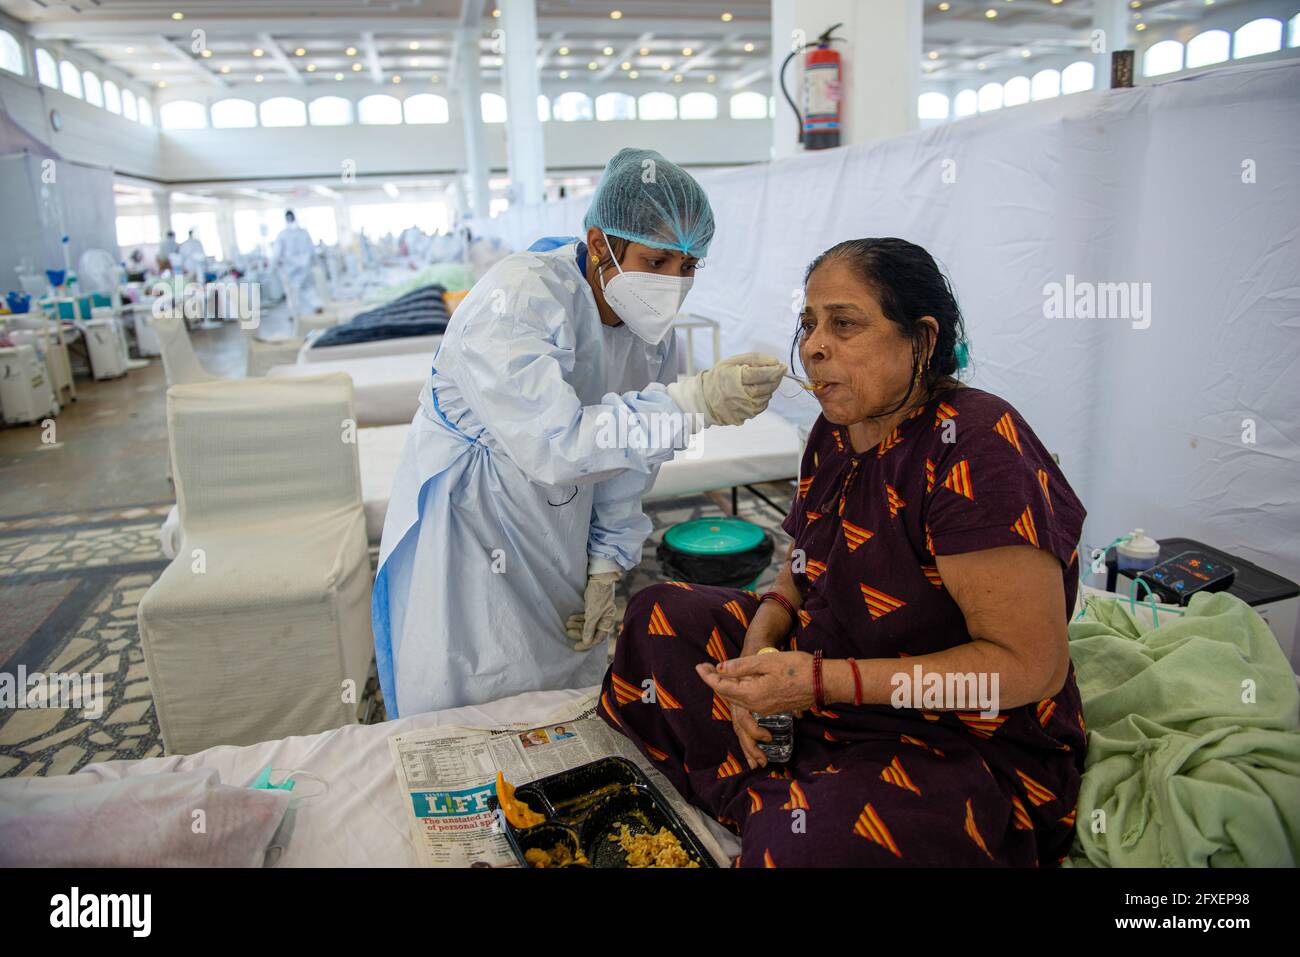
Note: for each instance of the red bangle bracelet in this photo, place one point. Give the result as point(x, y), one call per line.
point(857, 683)
point(781, 600)
point(819, 703)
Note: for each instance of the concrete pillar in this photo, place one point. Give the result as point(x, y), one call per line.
point(1111, 17)
point(470, 85)
point(162, 201)
point(343, 216)
point(881, 48)
point(226, 228)
point(525, 146)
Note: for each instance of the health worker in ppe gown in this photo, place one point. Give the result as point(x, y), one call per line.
point(294, 255)
point(552, 402)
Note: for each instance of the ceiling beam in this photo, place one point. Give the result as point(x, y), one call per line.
point(624, 55)
point(238, 27)
point(174, 53)
point(706, 55)
point(548, 48)
point(471, 18)
point(1001, 35)
point(371, 52)
point(750, 78)
point(281, 59)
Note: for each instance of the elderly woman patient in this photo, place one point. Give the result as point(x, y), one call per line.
point(934, 539)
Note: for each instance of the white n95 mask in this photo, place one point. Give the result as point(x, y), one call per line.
point(646, 302)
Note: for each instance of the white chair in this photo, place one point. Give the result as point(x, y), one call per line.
point(261, 626)
point(180, 364)
point(265, 354)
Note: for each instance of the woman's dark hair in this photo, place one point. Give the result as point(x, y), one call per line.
point(909, 284)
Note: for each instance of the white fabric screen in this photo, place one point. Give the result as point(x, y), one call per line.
point(1141, 185)
point(79, 202)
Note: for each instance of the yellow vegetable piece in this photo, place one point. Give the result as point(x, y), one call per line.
point(517, 812)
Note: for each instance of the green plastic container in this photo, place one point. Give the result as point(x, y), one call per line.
point(716, 551)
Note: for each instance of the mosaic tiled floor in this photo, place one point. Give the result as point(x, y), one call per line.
point(69, 587)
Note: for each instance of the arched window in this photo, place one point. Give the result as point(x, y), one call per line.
point(1077, 77)
point(234, 114)
point(46, 70)
point(493, 106)
point(94, 89)
point(1212, 46)
point(698, 106)
point(330, 111)
point(425, 108)
point(11, 54)
point(146, 112)
point(932, 106)
point(128, 105)
point(182, 115)
point(543, 108)
point(747, 106)
point(572, 107)
point(380, 109)
point(1259, 36)
point(112, 97)
point(70, 78)
point(282, 111)
point(615, 106)
point(990, 97)
point(1163, 57)
point(1045, 84)
point(1015, 91)
point(965, 103)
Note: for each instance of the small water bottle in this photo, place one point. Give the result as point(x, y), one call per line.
point(781, 727)
point(1137, 554)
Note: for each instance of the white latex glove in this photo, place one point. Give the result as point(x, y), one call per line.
point(733, 391)
point(598, 623)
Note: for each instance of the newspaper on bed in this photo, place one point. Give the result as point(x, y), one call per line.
point(449, 773)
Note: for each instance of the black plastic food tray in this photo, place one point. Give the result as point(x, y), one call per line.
point(582, 806)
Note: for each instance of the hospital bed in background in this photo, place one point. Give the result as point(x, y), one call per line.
point(768, 448)
point(386, 389)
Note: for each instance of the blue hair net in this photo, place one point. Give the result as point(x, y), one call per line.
point(644, 198)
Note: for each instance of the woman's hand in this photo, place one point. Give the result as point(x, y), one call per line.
point(768, 684)
point(749, 734)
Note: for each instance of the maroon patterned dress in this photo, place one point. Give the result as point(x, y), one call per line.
point(875, 785)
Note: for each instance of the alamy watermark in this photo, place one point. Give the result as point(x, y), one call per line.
point(651, 430)
point(239, 300)
point(946, 691)
point(1076, 299)
point(53, 690)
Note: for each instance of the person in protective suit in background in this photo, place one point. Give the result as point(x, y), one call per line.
point(191, 256)
point(516, 507)
point(167, 251)
point(294, 254)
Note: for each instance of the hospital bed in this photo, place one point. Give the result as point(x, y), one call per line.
point(361, 819)
point(765, 449)
point(386, 389)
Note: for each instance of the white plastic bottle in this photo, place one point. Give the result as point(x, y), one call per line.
point(1137, 554)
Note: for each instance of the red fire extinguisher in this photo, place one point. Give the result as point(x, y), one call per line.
point(823, 92)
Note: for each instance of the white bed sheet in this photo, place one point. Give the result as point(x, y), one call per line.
point(410, 345)
point(767, 448)
point(361, 820)
point(385, 389)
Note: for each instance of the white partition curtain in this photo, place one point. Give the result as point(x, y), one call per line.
point(42, 203)
point(1191, 185)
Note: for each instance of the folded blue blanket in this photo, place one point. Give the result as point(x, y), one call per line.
point(422, 312)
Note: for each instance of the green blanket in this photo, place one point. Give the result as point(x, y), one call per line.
point(1193, 739)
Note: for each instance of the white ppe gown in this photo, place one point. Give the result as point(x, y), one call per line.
point(514, 471)
point(295, 254)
